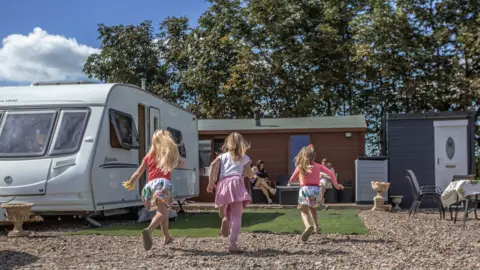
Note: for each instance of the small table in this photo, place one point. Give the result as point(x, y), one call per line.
point(462, 190)
point(288, 200)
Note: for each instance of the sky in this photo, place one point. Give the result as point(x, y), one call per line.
point(51, 39)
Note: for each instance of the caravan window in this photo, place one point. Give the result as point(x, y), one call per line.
point(26, 133)
point(123, 133)
point(70, 132)
point(178, 138)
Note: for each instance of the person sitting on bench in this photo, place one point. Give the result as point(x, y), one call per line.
point(261, 180)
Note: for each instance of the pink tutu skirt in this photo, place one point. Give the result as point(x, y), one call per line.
point(231, 189)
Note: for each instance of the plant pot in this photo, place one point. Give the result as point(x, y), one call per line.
point(17, 213)
point(331, 196)
point(346, 195)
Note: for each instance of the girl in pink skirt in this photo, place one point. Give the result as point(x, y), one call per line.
point(231, 195)
point(309, 195)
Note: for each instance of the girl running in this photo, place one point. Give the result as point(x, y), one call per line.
point(162, 158)
point(309, 195)
point(231, 195)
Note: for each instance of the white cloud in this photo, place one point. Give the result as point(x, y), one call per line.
point(40, 56)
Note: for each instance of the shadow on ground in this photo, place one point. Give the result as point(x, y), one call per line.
point(260, 252)
point(14, 259)
point(203, 221)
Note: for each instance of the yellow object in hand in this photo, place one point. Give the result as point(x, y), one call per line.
point(128, 185)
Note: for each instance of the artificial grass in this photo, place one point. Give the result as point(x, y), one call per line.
point(207, 224)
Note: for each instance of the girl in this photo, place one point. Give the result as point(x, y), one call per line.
point(231, 195)
point(260, 180)
point(309, 194)
point(162, 158)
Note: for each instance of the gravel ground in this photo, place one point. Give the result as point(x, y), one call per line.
point(394, 243)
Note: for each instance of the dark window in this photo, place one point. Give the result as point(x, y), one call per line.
point(70, 132)
point(155, 123)
point(178, 138)
point(26, 133)
point(123, 133)
point(217, 146)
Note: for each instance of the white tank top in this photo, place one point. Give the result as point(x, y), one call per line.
point(228, 167)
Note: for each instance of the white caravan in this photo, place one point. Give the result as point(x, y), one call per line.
point(68, 147)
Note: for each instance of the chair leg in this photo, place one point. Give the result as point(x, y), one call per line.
point(465, 216)
point(441, 210)
point(410, 211)
point(417, 207)
point(451, 212)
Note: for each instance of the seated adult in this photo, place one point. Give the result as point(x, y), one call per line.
point(261, 180)
point(325, 181)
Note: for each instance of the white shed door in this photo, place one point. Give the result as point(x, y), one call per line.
point(451, 150)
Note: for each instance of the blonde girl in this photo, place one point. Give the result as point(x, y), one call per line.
point(309, 195)
point(162, 158)
point(231, 195)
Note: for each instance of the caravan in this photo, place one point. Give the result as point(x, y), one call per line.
point(68, 147)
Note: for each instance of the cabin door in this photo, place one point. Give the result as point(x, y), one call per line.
point(451, 150)
point(142, 142)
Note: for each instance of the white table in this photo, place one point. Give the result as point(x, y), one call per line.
point(461, 191)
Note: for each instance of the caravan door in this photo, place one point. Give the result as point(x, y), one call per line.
point(24, 139)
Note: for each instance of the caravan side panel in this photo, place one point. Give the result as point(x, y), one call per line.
point(112, 166)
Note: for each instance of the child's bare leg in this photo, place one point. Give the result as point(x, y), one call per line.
point(313, 215)
point(221, 211)
point(164, 224)
point(306, 222)
point(225, 216)
point(147, 233)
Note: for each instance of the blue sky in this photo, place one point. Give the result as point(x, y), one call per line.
point(69, 28)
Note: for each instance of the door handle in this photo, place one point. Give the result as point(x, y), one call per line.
point(438, 161)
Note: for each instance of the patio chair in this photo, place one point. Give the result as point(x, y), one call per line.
point(422, 194)
point(457, 204)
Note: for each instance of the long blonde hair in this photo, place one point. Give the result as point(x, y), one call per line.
point(165, 150)
point(235, 145)
point(304, 159)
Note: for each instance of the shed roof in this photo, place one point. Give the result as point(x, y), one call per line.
point(353, 122)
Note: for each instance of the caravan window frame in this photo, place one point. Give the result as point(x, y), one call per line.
point(179, 144)
point(58, 129)
point(48, 136)
point(118, 135)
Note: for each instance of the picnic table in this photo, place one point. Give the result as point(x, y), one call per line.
point(462, 191)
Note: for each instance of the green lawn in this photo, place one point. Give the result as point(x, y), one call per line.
point(207, 224)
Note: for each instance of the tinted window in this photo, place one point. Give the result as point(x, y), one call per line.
point(26, 133)
point(125, 133)
point(178, 138)
point(70, 132)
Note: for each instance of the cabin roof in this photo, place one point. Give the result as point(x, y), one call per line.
point(300, 123)
point(56, 94)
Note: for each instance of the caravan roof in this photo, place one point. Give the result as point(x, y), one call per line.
point(56, 94)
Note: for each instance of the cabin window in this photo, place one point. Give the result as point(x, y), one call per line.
point(26, 133)
point(70, 132)
point(178, 138)
point(123, 133)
